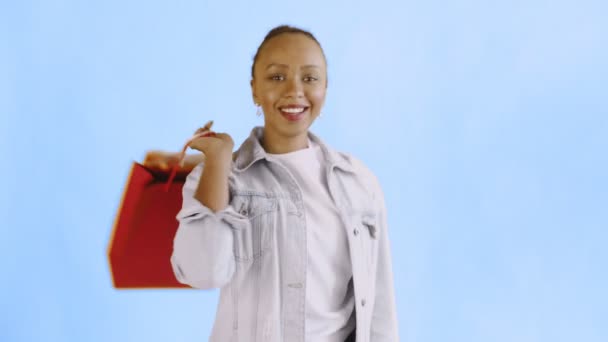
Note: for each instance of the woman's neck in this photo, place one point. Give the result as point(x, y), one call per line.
point(278, 144)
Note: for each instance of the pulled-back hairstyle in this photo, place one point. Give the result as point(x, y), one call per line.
point(282, 29)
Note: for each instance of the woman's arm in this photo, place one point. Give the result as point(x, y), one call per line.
point(212, 189)
point(203, 245)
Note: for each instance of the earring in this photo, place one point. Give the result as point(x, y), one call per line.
point(320, 115)
point(259, 111)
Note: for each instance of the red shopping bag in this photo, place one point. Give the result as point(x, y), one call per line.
point(141, 245)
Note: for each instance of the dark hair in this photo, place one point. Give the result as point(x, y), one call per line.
point(282, 29)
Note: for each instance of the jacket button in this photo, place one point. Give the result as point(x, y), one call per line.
point(244, 212)
point(363, 302)
point(356, 231)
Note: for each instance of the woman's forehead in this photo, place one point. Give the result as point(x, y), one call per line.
point(291, 48)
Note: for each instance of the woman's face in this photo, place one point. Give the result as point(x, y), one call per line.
point(290, 84)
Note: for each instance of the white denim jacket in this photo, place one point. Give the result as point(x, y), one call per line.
point(255, 250)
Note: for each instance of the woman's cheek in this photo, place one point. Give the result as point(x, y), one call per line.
point(318, 97)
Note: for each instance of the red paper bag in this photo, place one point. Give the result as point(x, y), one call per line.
point(142, 239)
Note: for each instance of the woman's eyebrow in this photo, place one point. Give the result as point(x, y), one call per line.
point(308, 66)
point(276, 65)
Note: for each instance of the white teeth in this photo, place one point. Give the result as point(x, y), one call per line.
point(293, 110)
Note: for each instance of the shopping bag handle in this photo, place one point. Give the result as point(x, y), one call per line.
point(205, 131)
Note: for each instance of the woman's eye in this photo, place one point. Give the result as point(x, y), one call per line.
point(310, 79)
point(277, 77)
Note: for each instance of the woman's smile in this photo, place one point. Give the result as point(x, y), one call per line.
point(294, 112)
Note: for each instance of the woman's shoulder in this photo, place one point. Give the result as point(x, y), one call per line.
point(350, 161)
point(359, 168)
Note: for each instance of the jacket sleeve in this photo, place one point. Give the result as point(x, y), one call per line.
point(384, 325)
point(203, 254)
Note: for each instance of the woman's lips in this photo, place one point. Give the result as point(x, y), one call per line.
point(293, 113)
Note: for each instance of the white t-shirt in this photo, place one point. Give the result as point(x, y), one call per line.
point(329, 293)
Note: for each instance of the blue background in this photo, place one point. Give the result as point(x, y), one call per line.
point(486, 122)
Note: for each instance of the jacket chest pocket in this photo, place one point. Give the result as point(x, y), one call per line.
point(253, 240)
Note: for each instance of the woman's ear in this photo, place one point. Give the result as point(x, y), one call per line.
point(255, 98)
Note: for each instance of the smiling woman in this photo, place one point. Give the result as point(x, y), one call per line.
point(293, 232)
point(289, 81)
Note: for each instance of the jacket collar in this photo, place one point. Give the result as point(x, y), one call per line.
point(252, 151)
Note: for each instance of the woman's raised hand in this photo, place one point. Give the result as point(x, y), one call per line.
point(215, 146)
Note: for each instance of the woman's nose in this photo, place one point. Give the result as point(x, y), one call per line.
point(294, 88)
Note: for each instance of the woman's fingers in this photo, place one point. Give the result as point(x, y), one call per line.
point(205, 128)
point(226, 138)
point(201, 130)
point(201, 140)
point(212, 143)
point(203, 135)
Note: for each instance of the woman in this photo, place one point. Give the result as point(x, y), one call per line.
point(293, 232)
